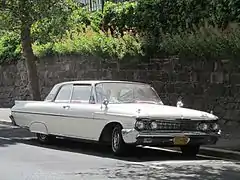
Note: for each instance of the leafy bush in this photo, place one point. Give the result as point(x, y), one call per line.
point(206, 43)
point(118, 18)
point(92, 43)
point(10, 50)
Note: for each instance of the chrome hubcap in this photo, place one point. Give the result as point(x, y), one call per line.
point(116, 137)
point(42, 136)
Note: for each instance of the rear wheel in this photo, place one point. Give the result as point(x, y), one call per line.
point(118, 145)
point(45, 139)
point(190, 151)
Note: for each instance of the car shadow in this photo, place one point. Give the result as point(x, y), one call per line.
point(144, 163)
point(137, 154)
point(12, 136)
point(8, 134)
point(160, 162)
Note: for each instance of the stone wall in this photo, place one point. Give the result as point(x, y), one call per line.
point(203, 85)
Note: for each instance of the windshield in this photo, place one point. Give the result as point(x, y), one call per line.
point(126, 93)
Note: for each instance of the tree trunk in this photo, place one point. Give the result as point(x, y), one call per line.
point(30, 60)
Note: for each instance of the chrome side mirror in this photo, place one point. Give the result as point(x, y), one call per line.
point(105, 102)
point(179, 102)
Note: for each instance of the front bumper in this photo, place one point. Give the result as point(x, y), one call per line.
point(12, 120)
point(132, 136)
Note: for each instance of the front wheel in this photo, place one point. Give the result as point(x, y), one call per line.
point(118, 145)
point(45, 139)
point(190, 151)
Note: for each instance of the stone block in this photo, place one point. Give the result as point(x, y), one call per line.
point(141, 74)
point(106, 74)
point(193, 77)
point(173, 77)
point(216, 90)
point(235, 78)
point(217, 77)
point(232, 115)
point(203, 77)
point(183, 77)
point(183, 88)
point(197, 89)
point(129, 75)
point(170, 88)
point(157, 85)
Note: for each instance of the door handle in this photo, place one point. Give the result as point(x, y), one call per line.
point(66, 107)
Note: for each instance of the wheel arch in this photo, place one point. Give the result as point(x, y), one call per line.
point(106, 133)
point(38, 127)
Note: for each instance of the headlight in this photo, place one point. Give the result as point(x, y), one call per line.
point(215, 127)
point(154, 125)
point(139, 125)
point(203, 126)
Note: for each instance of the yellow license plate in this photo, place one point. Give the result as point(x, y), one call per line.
point(182, 140)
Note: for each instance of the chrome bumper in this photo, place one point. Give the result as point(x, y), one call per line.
point(132, 136)
point(12, 120)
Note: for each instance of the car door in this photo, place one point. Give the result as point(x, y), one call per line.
point(81, 112)
point(58, 117)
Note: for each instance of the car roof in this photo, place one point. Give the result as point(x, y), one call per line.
point(56, 87)
point(98, 81)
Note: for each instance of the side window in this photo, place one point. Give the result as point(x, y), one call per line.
point(82, 94)
point(64, 94)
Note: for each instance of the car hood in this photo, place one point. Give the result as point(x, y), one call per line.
point(159, 111)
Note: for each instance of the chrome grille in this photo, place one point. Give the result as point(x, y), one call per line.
point(177, 125)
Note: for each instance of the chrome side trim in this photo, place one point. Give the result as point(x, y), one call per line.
point(58, 115)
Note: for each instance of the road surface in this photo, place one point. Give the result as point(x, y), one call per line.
point(22, 157)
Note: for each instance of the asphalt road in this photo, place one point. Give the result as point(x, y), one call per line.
point(23, 158)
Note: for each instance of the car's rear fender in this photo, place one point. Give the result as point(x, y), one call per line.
point(38, 127)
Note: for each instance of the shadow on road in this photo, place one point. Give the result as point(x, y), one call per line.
point(8, 134)
point(136, 155)
point(11, 136)
point(148, 163)
point(143, 163)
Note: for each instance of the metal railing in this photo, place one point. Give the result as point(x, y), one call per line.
point(94, 5)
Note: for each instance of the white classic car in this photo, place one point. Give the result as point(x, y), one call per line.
point(119, 113)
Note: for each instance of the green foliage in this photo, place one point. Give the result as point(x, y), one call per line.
point(154, 17)
point(206, 43)
point(80, 19)
point(92, 43)
point(10, 50)
point(44, 17)
point(118, 18)
point(188, 28)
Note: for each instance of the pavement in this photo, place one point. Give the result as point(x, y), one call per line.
point(22, 157)
point(4, 116)
point(227, 147)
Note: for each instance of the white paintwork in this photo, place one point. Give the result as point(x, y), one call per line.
point(88, 120)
